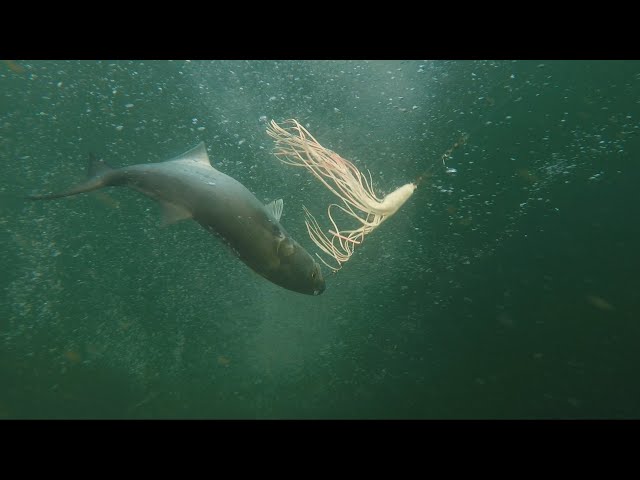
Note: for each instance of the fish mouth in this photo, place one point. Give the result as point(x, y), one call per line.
point(318, 291)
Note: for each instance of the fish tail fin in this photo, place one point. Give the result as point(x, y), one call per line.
point(99, 174)
point(97, 167)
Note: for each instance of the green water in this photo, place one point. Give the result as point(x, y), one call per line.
point(507, 288)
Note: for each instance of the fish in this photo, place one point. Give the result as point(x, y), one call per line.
point(189, 187)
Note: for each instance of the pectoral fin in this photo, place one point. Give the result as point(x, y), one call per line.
point(172, 213)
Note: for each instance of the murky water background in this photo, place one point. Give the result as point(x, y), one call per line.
point(506, 287)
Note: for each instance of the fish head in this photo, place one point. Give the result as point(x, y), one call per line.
point(297, 270)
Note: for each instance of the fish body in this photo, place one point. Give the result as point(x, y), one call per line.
point(189, 187)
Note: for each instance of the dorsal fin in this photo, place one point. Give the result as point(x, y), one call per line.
point(196, 154)
point(275, 207)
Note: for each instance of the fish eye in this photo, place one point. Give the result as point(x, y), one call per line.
point(313, 274)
